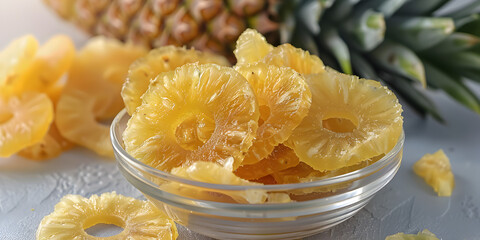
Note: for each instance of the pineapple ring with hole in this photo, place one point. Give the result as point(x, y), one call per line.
point(50, 63)
point(281, 158)
point(14, 60)
point(251, 47)
point(195, 113)
point(350, 120)
point(73, 214)
point(24, 120)
point(92, 93)
point(160, 60)
point(284, 100)
point(299, 60)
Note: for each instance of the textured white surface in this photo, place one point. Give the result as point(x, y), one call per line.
point(29, 190)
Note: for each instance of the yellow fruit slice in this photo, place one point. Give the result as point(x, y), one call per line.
point(350, 120)
point(160, 60)
point(195, 113)
point(435, 169)
point(210, 172)
point(299, 60)
point(423, 235)
point(24, 121)
point(74, 213)
point(14, 60)
point(92, 93)
point(281, 158)
point(51, 62)
point(251, 47)
point(51, 146)
point(284, 100)
point(302, 172)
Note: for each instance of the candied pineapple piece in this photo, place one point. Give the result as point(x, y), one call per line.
point(92, 93)
point(52, 60)
point(251, 47)
point(160, 60)
point(15, 59)
point(423, 235)
point(195, 113)
point(211, 172)
point(24, 121)
point(299, 60)
point(435, 169)
point(73, 214)
point(350, 120)
point(281, 158)
point(284, 100)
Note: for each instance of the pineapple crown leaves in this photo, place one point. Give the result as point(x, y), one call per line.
point(408, 45)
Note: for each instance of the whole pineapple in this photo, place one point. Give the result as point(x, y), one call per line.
point(406, 44)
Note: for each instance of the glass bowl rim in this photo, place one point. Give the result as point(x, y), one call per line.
point(350, 176)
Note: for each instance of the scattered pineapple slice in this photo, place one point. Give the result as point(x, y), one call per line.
point(195, 113)
point(435, 169)
point(281, 158)
point(284, 100)
point(24, 121)
point(423, 235)
point(73, 214)
point(15, 59)
point(299, 60)
point(92, 93)
point(160, 60)
point(51, 62)
point(350, 120)
point(51, 146)
point(251, 47)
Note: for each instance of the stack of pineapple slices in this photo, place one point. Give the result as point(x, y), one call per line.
point(278, 116)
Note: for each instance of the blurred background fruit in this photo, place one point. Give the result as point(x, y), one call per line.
point(406, 44)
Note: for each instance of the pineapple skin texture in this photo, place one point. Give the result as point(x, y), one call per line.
point(435, 169)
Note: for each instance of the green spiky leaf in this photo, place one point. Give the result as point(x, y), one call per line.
point(365, 30)
point(387, 7)
point(332, 40)
point(453, 87)
point(454, 43)
point(399, 59)
point(419, 33)
point(340, 10)
point(464, 10)
point(421, 7)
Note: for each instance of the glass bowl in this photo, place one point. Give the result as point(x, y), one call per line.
point(223, 212)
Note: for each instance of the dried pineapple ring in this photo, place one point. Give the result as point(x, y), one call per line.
point(51, 62)
point(195, 113)
point(73, 214)
point(284, 100)
point(92, 93)
point(211, 172)
point(251, 47)
point(14, 60)
point(160, 60)
point(281, 158)
point(51, 146)
point(24, 121)
point(299, 60)
point(350, 120)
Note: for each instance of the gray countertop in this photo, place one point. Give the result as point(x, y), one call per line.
point(29, 190)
